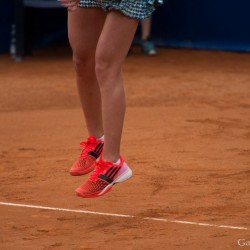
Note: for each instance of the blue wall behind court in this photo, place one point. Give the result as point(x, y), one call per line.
point(6, 19)
point(222, 24)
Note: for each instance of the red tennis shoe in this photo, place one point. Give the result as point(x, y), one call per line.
point(92, 148)
point(105, 175)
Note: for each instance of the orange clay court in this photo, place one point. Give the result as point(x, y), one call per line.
point(186, 137)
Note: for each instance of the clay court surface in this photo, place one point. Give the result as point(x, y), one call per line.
point(186, 137)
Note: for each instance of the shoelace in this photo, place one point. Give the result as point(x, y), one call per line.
point(87, 145)
point(96, 172)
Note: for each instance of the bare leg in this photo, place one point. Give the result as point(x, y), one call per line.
point(146, 28)
point(148, 46)
point(112, 48)
point(84, 27)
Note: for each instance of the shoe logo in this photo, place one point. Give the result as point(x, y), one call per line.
point(110, 174)
point(96, 153)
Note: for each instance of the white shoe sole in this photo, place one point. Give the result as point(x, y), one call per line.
point(121, 178)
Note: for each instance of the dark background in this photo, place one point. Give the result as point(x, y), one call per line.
point(204, 24)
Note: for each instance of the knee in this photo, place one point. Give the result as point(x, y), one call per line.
point(102, 66)
point(84, 64)
point(106, 69)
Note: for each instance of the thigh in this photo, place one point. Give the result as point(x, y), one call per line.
point(84, 29)
point(116, 38)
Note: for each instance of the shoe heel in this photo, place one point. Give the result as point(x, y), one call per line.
point(124, 176)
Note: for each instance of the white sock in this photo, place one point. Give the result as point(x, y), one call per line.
point(118, 161)
point(101, 138)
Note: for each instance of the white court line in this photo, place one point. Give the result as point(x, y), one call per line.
point(121, 215)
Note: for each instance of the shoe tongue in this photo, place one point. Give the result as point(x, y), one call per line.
point(91, 138)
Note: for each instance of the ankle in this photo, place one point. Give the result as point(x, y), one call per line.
point(98, 136)
point(111, 158)
point(101, 138)
point(145, 39)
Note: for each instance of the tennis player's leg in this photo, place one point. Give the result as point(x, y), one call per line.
point(147, 43)
point(84, 28)
point(146, 28)
point(112, 48)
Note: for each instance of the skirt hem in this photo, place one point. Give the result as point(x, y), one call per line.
point(122, 9)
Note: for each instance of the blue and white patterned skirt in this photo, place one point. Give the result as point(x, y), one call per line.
point(139, 9)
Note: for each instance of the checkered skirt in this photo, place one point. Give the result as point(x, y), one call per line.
point(138, 9)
